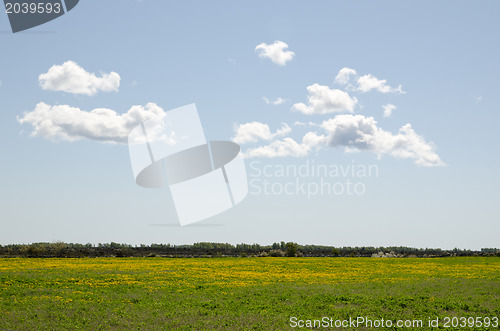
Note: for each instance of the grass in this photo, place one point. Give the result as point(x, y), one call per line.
point(239, 293)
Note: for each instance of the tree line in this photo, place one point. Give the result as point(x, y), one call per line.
point(209, 249)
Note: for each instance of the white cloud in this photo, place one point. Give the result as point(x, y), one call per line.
point(276, 102)
point(276, 52)
point(312, 139)
point(388, 109)
point(368, 82)
point(299, 123)
point(361, 133)
point(255, 131)
point(348, 77)
point(288, 147)
point(344, 76)
point(279, 148)
point(323, 100)
point(70, 77)
point(104, 125)
point(354, 133)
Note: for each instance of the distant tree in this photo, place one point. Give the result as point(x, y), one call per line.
point(335, 252)
point(291, 249)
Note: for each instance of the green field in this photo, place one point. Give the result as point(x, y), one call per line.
point(242, 293)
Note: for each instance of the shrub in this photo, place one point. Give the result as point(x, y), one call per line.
point(276, 253)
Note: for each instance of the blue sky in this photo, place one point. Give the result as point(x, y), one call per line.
point(444, 55)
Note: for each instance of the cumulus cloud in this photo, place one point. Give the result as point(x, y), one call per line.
point(349, 78)
point(362, 133)
point(255, 131)
point(368, 82)
point(70, 77)
point(324, 100)
point(276, 52)
point(353, 133)
point(344, 76)
point(276, 102)
point(67, 123)
point(388, 109)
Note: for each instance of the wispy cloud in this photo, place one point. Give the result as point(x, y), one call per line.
point(388, 108)
point(276, 102)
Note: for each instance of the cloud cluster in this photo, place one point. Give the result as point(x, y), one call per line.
point(348, 77)
point(276, 52)
point(68, 123)
point(71, 78)
point(354, 133)
point(348, 131)
point(344, 130)
point(357, 132)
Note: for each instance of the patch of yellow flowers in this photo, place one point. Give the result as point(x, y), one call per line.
point(81, 275)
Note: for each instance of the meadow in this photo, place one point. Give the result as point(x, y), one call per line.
point(242, 293)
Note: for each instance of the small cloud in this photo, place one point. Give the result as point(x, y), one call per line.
point(71, 78)
point(311, 124)
point(388, 109)
point(276, 102)
point(344, 76)
point(478, 98)
point(349, 78)
point(279, 148)
point(368, 82)
point(276, 52)
point(255, 131)
point(323, 100)
point(231, 60)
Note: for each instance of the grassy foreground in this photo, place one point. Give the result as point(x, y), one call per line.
point(240, 293)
